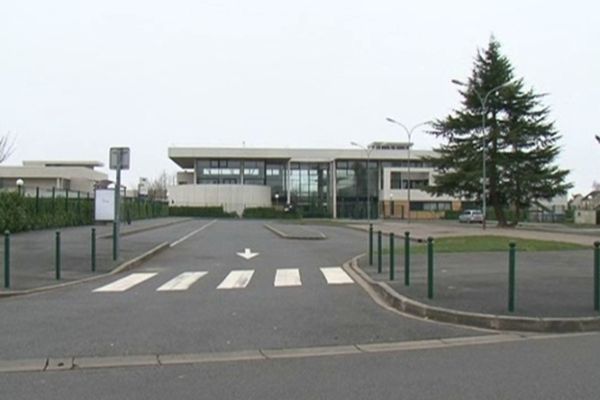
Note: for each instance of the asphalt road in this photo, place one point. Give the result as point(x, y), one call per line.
point(252, 338)
point(550, 369)
point(77, 321)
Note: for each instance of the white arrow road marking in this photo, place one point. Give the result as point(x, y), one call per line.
point(236, 279)
point(336, 276)
point(247, 254)
point(125, 283)
point(182, 281)
point(287, 277)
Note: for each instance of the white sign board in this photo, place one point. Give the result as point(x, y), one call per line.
point(119, 158)
point(105, 205)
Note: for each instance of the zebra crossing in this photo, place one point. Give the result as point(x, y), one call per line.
point(236, 279)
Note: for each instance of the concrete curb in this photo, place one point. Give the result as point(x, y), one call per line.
point(73, 363)
point(284, 235)
point(127, 265)
point(145, 229)
point(487, 321)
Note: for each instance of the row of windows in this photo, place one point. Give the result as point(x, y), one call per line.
point(430, 206)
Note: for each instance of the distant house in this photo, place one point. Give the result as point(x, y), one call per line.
point(77, 176)
point(587, 208)
point(553, 210)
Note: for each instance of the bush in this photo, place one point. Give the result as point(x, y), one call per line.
point(204, 212)
point(453, 215)
point(19, 213)
point(268, 213)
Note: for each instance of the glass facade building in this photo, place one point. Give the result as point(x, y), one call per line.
point(335, 183)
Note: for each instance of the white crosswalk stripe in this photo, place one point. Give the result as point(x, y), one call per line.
point(126, 283)
point(182, 281)
point(236, 279)
point(287, 277)
point(336, 276)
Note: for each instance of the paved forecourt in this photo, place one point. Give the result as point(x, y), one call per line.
point(202, 296)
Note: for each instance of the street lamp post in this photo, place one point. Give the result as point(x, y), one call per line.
point(20, 184)
point(483, 100)
point(409, 133)
point(368, 151)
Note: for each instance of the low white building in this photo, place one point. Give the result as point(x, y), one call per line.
point(76, 176)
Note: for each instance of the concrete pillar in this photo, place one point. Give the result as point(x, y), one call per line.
point(287, 178)
point(333, 190)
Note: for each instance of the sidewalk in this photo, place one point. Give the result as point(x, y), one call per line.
point(554, 289)
point(548, 284)
point(32, 254)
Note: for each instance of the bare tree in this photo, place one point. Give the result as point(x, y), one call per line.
point(157, 190)
point(596, 186)
point(7, 146)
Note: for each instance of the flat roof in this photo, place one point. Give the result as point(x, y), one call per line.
point(63, 163)
point(185, 156)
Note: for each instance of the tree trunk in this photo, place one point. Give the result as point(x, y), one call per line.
point(517, 216)
point(493, 186)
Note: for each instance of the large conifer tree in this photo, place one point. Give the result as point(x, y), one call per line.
point(521, 143)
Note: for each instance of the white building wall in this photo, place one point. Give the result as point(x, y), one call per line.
point(231, 197)
point(585, 217)
point(387, 193)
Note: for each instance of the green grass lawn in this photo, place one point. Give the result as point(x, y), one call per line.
point(477, 244)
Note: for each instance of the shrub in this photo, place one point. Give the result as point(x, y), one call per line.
point(268, 213)
point(203, 212)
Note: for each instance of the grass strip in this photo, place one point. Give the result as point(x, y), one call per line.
point(486, 243)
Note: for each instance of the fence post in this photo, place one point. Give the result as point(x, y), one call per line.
point(370, 244)
point(66, 200)
point(114, 239)
point(57, 254)
point(511, 276)
point(37, 200)
point(406, 258)
point(79, 207)
point(597, 276)
point(430, 267)
point(392, 263)
point(93, 249)
point(7, 259)
point(379, 252)
point(53, 200)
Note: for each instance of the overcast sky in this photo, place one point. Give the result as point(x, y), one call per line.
point(77, 77)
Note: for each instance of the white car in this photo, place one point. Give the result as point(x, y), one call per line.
point(470, 216)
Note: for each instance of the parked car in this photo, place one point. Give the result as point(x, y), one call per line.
point(470, 216)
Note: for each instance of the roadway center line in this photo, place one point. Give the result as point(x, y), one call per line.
point(189, 235)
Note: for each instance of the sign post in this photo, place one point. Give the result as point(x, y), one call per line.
point(119, 159)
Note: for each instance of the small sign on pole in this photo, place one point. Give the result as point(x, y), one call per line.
point(119, 158)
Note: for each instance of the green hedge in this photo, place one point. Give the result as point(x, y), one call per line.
point(205, 212)
point(135, 209)
point(20, 213)
point(268, 213)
